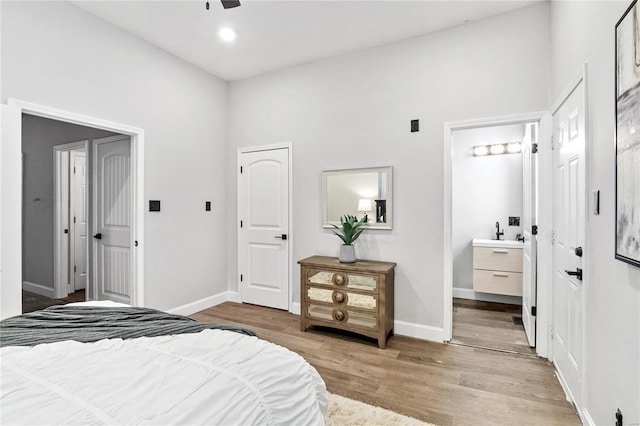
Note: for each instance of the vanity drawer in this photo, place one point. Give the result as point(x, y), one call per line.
point(343, 280)
point(497, 282)
point(497, 259)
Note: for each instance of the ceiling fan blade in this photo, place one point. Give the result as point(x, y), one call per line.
point(228, 4)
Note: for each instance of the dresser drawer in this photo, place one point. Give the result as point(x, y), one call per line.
point(497, 259)
point(337, 315)
point(343, 279)
point(497, 282)
point(342, 297)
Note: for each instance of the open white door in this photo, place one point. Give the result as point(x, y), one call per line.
point(569, 227)
point(263, 209)
point(113, 215)
point(529, 219)
point(10, 211)
point(78, 219)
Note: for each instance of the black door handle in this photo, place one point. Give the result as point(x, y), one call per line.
point(98, 236)
point(577, 273)
point(281, 237)
point(578, 251)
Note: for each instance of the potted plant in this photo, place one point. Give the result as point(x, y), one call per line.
point(351, 230)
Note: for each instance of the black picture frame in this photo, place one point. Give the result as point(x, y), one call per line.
point(627, 136)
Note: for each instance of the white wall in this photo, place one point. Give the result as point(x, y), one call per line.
point(58, 55)
point(584, 32)
point(39, 136)
point(355, 111)
point(486, 190)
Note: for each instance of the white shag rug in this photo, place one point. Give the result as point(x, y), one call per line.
point(348, 412)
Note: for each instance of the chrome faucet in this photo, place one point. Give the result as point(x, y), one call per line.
point(498, 233)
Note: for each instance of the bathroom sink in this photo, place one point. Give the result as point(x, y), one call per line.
point(477, 242)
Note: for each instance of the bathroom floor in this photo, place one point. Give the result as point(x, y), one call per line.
point(489, 325)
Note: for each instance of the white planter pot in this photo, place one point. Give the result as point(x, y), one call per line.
point(347, 253)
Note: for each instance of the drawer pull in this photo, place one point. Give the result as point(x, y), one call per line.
point(338, 297)
point(500, 274)
point(339, 315)
point(500, 251)
point(339, 279)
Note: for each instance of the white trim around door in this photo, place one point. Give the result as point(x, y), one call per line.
point(544, 312)
point(137, 172)
point(293, 308)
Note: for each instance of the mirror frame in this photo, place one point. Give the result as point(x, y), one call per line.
point(387, 169)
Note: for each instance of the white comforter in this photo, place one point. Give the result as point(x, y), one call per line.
point(213, 377)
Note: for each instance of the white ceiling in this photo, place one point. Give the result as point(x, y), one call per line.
point(277, 34)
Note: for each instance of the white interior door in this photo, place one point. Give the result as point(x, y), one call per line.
point(263, 247)
point(113, 218)
point(78, 219)
point(529, 219)
point(568, 240)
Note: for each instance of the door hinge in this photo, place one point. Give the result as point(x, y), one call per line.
point(74, 219)
point(534, 230)
point(74, 268)
point(552, 331)
point(553, 143)
point(534, 148)
point(74, 170)
point(240, 169)
point(553, 237)
point(240, 277)
point(240, 224)
point(533, 311)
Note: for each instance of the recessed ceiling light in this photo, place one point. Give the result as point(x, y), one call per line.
point(227, 34)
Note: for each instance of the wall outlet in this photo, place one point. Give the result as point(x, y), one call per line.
point(154, 205)
point(207, 206)
point(415, 126)
point(514, 221)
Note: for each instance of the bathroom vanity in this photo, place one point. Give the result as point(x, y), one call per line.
point(497, 267)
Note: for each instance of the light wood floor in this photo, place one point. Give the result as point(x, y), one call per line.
point(489, 325)
point(445, 384)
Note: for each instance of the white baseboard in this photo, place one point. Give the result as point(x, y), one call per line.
point(295, 308)
point(419, 331)
point(233, 296)
point(39, 289)
point(467, 293)
point(207, 302)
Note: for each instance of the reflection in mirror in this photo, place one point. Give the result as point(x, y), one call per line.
point(357, 192)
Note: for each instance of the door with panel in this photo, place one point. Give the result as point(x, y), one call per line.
point(263, 244)
point(568, 240)
point(112, 218)
point(529, 219)
point(78, 215)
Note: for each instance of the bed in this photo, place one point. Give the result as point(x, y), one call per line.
point(110, 364)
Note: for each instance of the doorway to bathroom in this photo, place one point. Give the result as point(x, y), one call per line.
point(493, 241)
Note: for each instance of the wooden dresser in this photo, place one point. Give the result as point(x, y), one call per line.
point(357, 297)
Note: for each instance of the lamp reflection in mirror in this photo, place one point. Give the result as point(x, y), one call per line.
point(365, 206)
point(497, 149)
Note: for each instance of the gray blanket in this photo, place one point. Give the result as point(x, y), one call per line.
point(90, 324)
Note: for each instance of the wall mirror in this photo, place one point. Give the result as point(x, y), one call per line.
point(358, 192)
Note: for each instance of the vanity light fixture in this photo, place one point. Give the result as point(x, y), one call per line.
point(227, 34)
point(480, 150)
point(497, 149)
